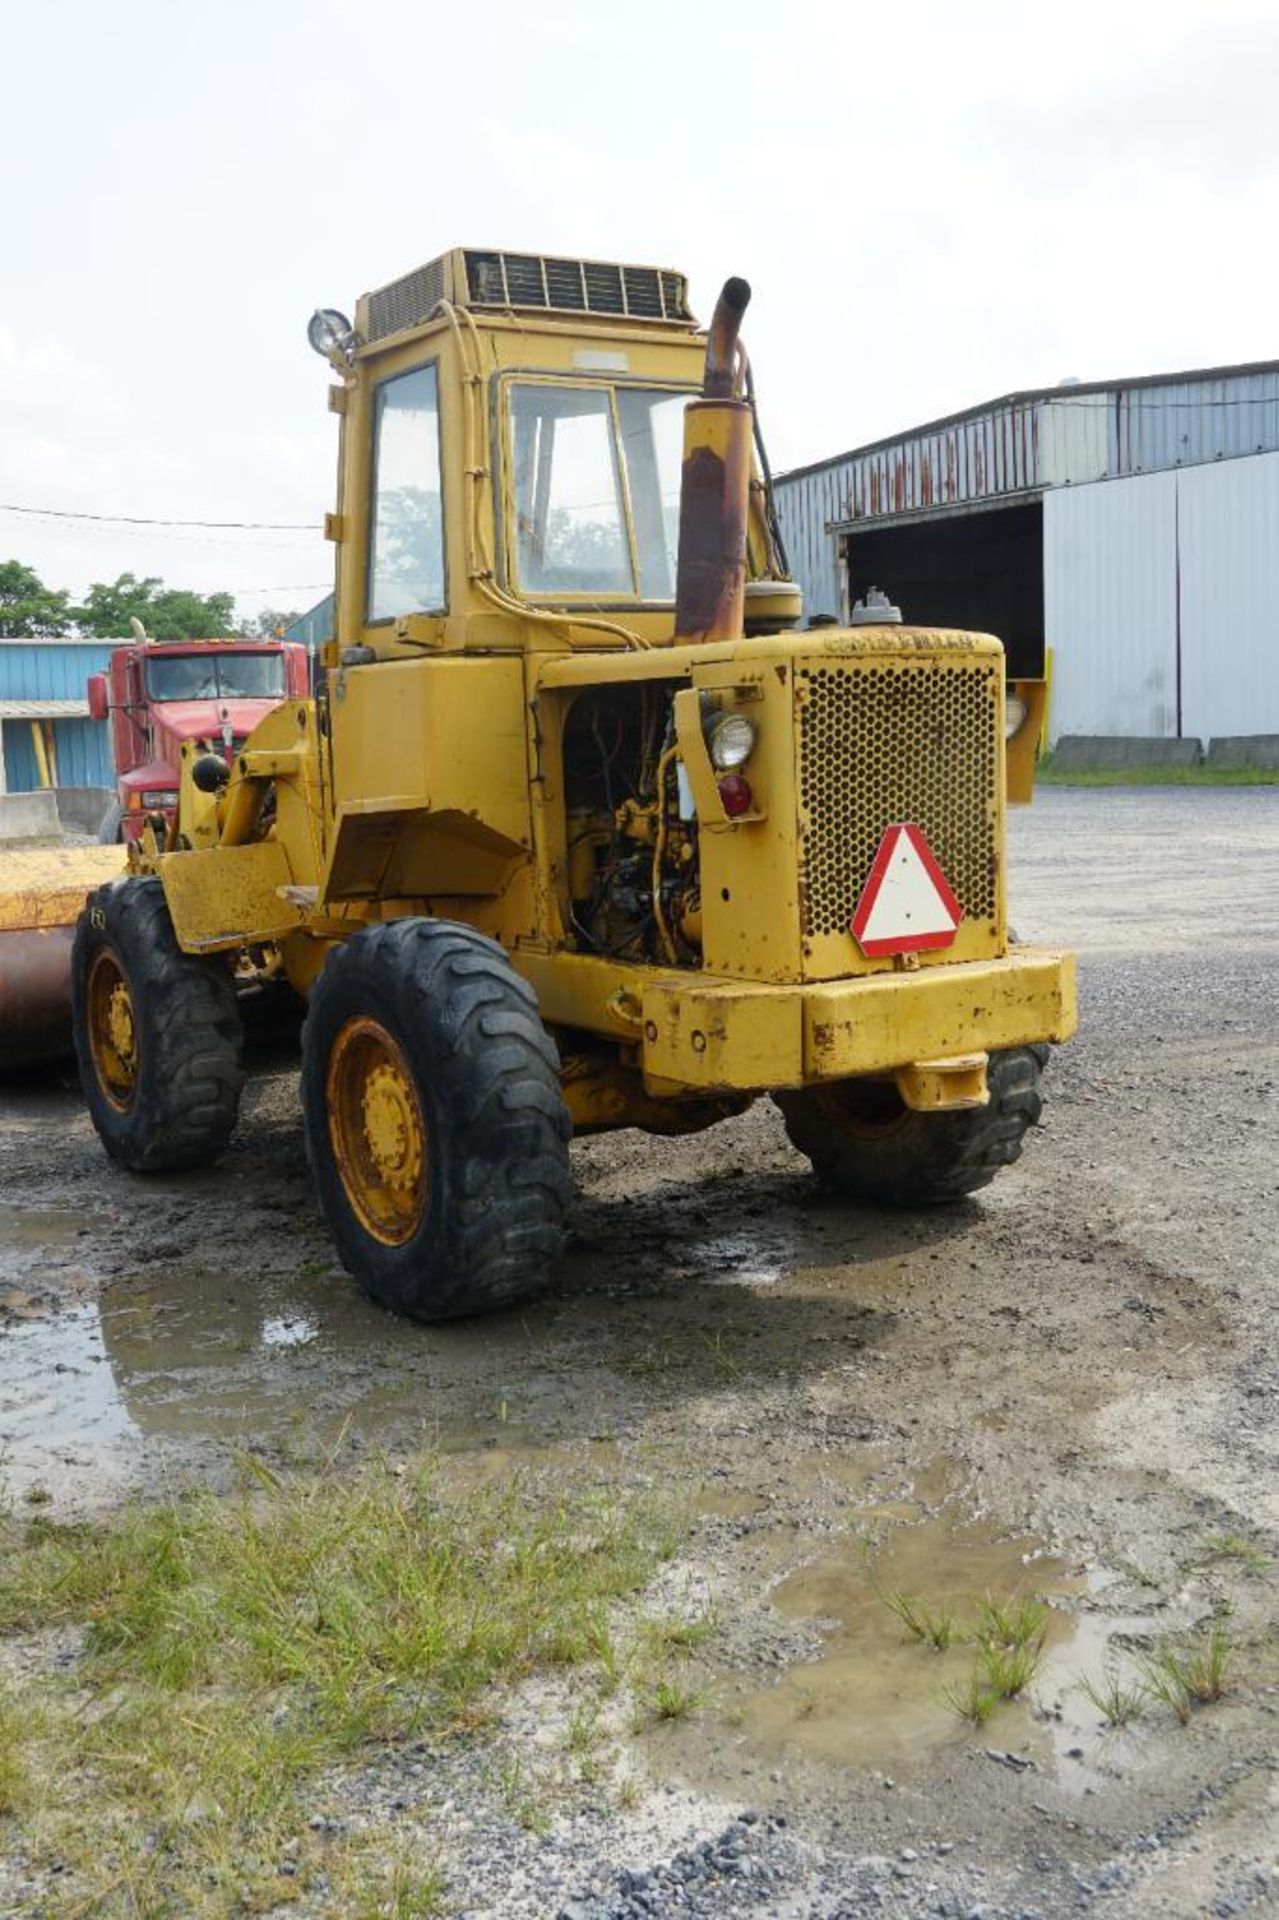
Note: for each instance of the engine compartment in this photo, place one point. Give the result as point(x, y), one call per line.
point(633, 847)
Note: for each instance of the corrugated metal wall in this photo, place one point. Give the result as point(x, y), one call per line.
point(50, 669)
point(1228, 519)
point(82, 748)
point(805, 506)
point(1110, 606)
point(1128, 564)
point(54, 670)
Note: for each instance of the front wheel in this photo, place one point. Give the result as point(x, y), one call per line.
point(864, 1140)
point(435, 1125)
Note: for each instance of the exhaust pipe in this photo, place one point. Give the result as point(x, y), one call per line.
point(714, 501)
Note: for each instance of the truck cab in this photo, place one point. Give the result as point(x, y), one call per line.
point(158, 695)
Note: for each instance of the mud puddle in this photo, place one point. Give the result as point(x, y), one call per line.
point(35, 1241)
point(164, 1376)
point(880, 1697)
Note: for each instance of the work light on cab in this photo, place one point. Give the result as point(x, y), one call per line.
point(330, 332)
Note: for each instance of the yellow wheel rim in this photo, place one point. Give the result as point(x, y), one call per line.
point(377, 1132)
point(113, 1034)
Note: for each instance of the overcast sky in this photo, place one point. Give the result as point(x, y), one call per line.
point(934, 204)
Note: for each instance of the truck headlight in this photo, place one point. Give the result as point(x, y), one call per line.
point(729, 740)
point(1014, 714)
point(160, 797)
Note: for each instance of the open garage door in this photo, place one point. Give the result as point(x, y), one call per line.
point(983, 571)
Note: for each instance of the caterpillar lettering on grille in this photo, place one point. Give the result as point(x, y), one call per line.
point(881, 744)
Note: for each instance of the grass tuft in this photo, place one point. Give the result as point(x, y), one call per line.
point(932, 1627)
point(1014, 1623)
point(973, 1701)
point(674, 1699)
point(1008, 1671)
point(1183, 1678)
point(1118, 1705)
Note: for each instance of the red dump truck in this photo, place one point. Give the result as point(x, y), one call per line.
point(158, 693)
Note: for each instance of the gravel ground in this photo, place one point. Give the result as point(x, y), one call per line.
point(1069, 1382)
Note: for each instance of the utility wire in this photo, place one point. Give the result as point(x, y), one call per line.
point(143, 520)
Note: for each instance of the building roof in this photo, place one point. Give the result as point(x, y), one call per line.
point(1023, 444)
point(1065, 392)
point(44, 709)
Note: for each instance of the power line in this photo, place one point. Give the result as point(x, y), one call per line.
point(144, 520)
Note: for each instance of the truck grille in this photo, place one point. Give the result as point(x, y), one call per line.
point(891, 742)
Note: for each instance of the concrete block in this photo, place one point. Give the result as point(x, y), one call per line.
point(1108, 753)
point(80, 809)
point(29, 816)
point(1245, 750)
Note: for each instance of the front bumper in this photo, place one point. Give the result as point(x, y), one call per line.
point(696, 1033)
point(727, 1036)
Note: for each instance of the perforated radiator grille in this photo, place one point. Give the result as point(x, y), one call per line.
point(884, 743)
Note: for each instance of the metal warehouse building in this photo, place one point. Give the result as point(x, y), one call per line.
point(46, 735)
point(1132, 525)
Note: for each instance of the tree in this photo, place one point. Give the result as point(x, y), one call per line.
point(27, 606)
point(268, 624)
point(167, 613)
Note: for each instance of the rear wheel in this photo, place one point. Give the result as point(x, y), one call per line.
point(435, 1125)
point(866, 1142)
point(157, 1033)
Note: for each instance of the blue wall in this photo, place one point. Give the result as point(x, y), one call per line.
point(55, 670)
point(83, 750)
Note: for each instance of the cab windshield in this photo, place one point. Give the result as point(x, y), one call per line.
point(596, 473)
point(216, 676)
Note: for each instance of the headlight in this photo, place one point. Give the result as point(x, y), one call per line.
point(729, 739)
point(1014, 714)
point(160, 797)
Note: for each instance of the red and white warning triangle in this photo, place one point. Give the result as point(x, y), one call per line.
point(906, 904)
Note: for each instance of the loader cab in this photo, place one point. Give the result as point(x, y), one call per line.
point(512, 428)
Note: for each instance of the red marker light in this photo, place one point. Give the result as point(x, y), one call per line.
point(735, 794)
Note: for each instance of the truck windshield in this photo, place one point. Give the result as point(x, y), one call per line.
point(216, 676)
point(597, 473)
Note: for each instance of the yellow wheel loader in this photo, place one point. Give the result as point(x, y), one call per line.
point(583, 828)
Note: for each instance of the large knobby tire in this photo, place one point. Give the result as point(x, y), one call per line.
point(110, 825)
point(435, 1125)
point(157, 1033)
point(864, 1140)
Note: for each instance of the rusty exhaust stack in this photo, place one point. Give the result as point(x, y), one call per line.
point(714, 501)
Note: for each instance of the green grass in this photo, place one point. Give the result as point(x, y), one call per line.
point(1118, 1705)
point(1012, 1623)
point(680, 1636)
point(1239, 1549)
point(973, 1701)
point(233, 1649)
point(1196, 1675)
point(13, 1773)
point(934, 1627)
point(1202, 776)
point(674, 1699)
point(1008, 1671)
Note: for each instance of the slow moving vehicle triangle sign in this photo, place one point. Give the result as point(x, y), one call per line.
point(906, 904)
